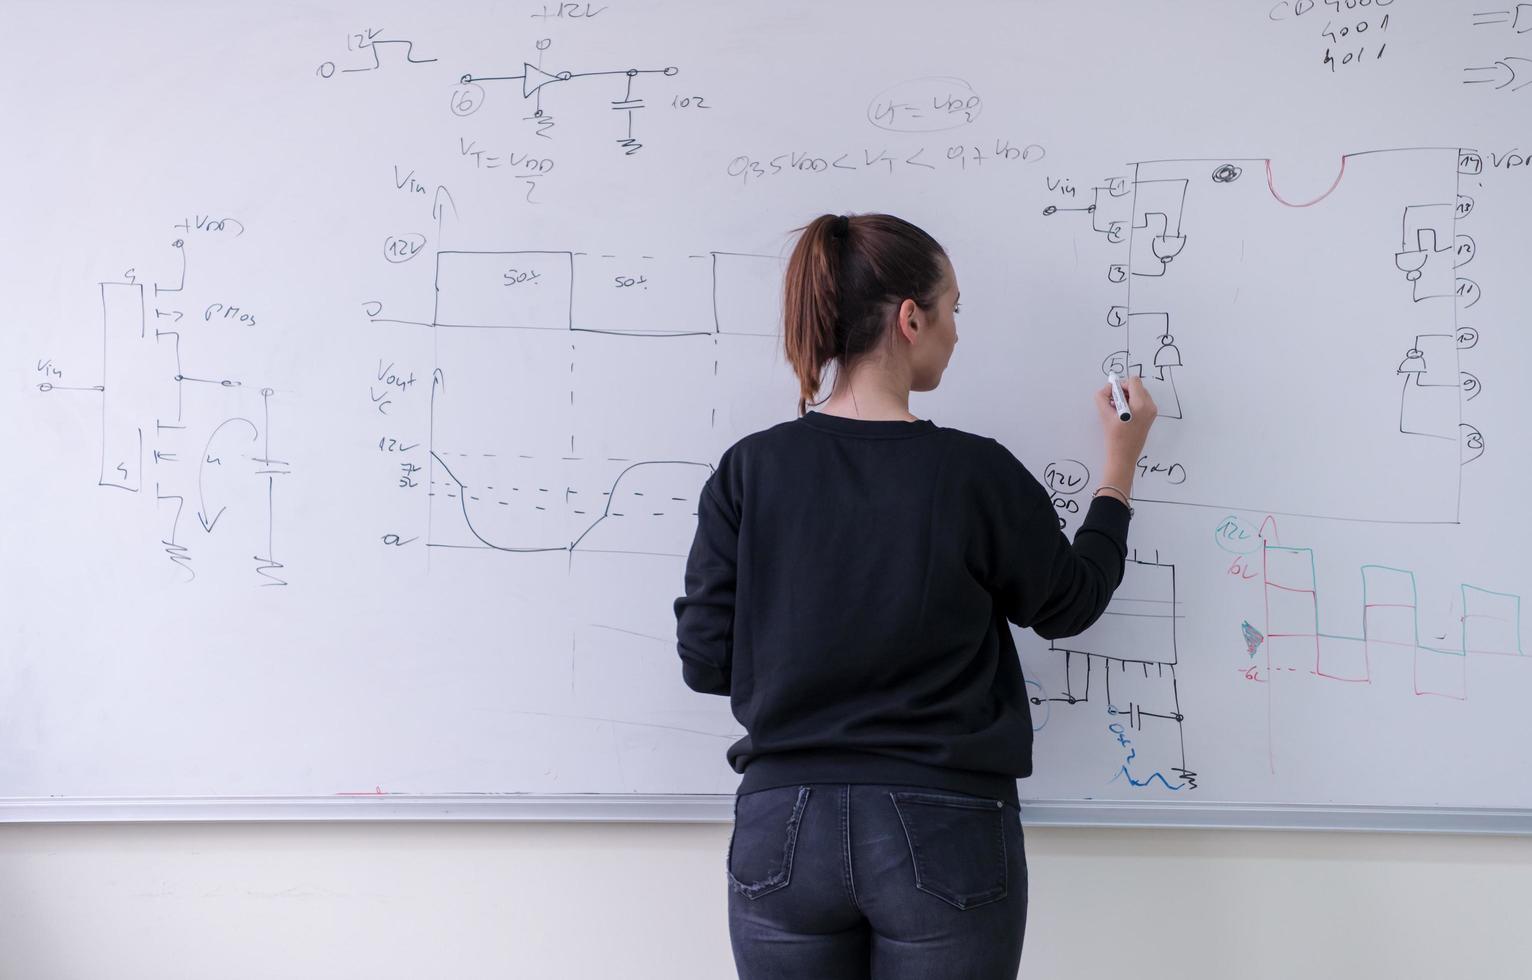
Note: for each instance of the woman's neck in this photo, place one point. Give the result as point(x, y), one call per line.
point(870, 393)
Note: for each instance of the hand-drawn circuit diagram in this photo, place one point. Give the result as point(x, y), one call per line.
point(469, 95)
point(1124, 666)
point(1362, 288)
point(199, 438)
point(1511, 72)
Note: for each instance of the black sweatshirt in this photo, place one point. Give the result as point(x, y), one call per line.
point(849, 588)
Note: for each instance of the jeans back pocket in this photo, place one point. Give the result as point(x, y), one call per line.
point(957, 844)
point(764, 839)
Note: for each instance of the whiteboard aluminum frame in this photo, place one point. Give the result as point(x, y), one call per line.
point(718, 808)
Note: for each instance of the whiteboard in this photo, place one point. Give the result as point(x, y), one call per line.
point(364, 363)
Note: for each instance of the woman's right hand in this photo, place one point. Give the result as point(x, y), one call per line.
point(1125, 440)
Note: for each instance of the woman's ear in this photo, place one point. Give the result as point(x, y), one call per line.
point(908, 320)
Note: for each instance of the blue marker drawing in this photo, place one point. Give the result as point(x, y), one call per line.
point(1123, 740)
point(1253, 637)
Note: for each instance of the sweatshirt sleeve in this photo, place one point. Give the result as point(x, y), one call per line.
point(1039, 578)
point(705, 614)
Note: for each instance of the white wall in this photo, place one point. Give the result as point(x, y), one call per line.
point(465, 901)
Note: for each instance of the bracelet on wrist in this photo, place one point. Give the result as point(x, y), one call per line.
point(1118, 492)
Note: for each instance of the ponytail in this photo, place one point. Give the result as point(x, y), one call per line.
point(811, 302)
point(845, 278)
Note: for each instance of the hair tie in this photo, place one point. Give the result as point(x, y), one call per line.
point(840, 227)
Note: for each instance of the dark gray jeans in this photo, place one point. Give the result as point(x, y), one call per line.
point(829, 881)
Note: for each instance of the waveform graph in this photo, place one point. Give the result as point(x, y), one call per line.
point(566, 406)
point(1393, 650)
point(499, 401)
point(579, 403)
point(514, 505)
point(514, 290)
point(583, 507)
point(650, 510)
point(642, 295)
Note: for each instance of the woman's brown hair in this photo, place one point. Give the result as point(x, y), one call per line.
point(845, 281)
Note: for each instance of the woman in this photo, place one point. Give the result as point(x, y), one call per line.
point(849, 588)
